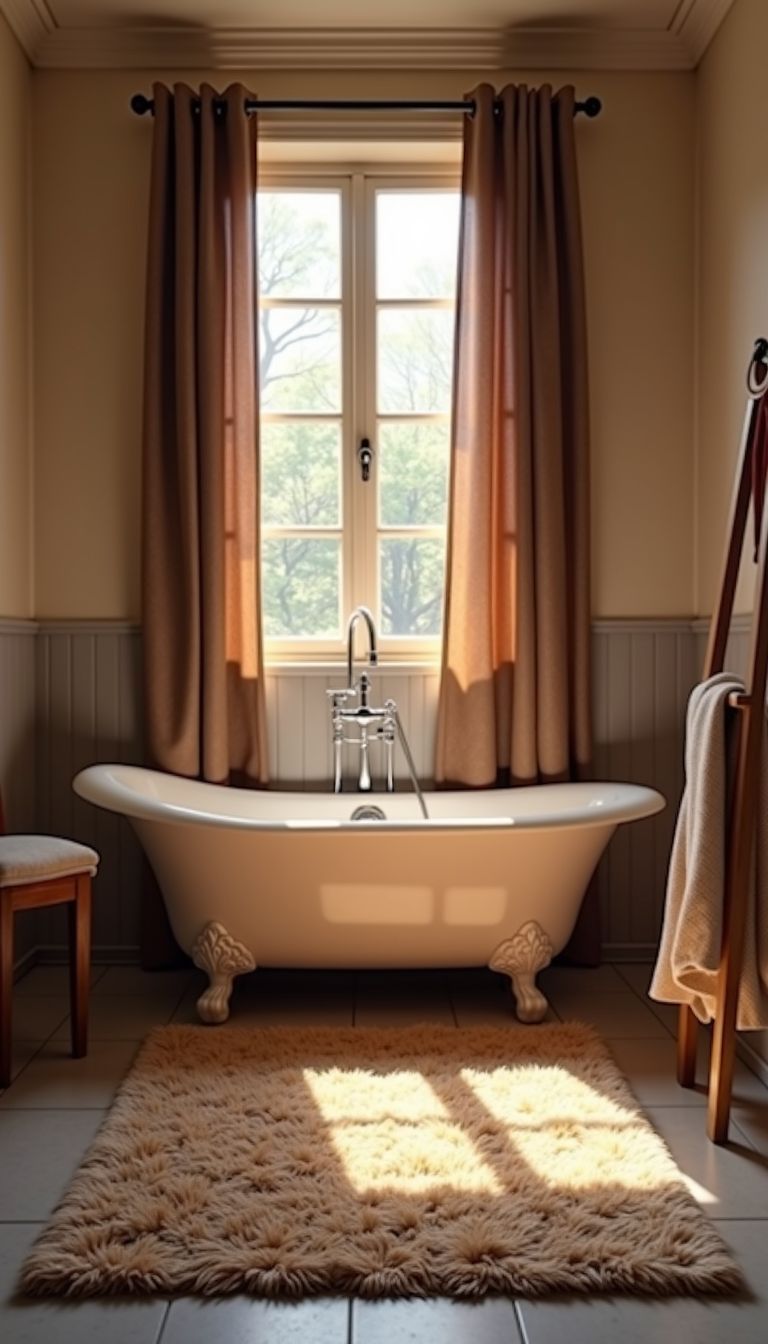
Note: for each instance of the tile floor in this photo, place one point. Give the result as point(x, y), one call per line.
point(54, 1105)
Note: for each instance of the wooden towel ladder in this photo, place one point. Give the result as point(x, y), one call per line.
point(742, 803)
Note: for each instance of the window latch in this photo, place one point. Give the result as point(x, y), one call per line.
point(365, 458)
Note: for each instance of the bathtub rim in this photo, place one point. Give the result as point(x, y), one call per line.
point(101, 785)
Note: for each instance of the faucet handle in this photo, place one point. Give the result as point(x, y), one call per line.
point(339, 698)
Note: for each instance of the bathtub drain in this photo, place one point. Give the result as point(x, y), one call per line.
point(368, 812)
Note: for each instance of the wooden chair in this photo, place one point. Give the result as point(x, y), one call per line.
point(39, 870)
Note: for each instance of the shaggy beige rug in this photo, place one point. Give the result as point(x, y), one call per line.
point(287, 1162)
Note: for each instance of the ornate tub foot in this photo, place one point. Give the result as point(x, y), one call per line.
point(222, 958)
point(520, 958)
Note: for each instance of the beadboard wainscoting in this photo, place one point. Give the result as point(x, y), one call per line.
point(18, 640)
point(298, 716)
point(71, 696)
point(88, 683)
point(643, 672)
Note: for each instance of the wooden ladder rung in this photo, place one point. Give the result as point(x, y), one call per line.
point(740, 700)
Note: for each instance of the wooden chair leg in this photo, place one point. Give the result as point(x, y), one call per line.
point(6, 986)
point(79, 913)
point(687, 1039)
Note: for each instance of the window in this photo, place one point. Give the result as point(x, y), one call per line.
point(357, 282)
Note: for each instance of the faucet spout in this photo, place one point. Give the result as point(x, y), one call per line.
point(365, 614)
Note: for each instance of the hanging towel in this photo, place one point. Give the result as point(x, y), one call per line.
point(689, 952)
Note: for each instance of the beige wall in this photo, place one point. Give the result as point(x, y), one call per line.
point(732, 268)
point(16, 597)
point(91, 166)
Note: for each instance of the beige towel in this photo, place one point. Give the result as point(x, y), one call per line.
point(689, 952)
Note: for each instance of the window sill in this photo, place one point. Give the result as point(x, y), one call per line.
point(397, 667)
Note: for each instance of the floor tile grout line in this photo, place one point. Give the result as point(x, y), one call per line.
point(163, 1323)
point(520, 1322)
point(738, 1218)
point(169, 1020)
point(617, 968)
point(734, 1125)
point(58, 1027)
point(644, 998)
point(24, 1066)
point(99, 978)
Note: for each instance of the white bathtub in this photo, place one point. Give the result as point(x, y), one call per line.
point(287, 879)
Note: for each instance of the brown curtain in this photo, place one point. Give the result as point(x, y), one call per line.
point(515, 688)
point(203, 660)
point(204, 709)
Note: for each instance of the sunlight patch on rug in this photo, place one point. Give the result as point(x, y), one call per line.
point(377, 1162)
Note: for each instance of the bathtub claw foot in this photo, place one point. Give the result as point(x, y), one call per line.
point(530, 1003)
point(222, 958)
point(213, 1004)
point(521, 958)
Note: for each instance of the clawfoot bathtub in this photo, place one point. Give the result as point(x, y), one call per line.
point(253, 879)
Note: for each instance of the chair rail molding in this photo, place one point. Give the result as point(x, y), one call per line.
point(125, 45)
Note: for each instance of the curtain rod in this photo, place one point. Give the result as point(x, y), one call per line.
point(591, 107)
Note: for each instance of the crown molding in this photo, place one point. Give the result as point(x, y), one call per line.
point(31, 21)
point(593, 49)
point(361, 48)
point(143, 47)
point(696, 23)
point(271, 48)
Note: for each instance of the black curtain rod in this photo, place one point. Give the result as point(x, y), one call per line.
point(591, 107)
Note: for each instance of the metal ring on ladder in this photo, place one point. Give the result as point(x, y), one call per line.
point(757, 373)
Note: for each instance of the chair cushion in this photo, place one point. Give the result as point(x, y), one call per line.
point(39, 858)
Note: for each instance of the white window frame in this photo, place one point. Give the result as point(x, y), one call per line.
point(358, 185)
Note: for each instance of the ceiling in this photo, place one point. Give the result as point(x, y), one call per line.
point(435, 34)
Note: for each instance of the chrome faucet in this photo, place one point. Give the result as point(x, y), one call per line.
point(382, 724)
point(364, 614)
point(365, 717)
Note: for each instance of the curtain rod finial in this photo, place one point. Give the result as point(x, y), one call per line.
point(593, 106)
point(140, 104)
